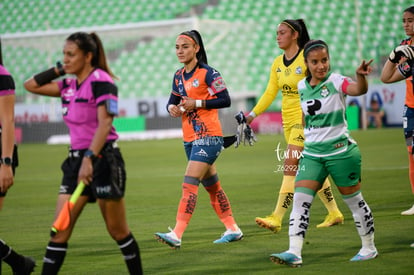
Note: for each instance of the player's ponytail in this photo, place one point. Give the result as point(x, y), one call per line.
point(298, 26)
point(99, 60)
point(201, 55)
point(303, 34)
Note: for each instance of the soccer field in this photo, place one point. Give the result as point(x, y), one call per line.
point(250, 178)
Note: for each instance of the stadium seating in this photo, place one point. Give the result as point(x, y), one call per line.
point(146, 70)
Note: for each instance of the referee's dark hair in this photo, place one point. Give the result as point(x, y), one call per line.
point(93, 44)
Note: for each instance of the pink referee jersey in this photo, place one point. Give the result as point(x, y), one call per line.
point(80, 103)
point(6, 82)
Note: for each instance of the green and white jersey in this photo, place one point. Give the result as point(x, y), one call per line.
point(323, 106)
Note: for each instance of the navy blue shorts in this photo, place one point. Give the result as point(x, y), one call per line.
point(408, 124)
point(206, 149)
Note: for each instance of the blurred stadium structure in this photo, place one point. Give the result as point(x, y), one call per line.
point(139, 37)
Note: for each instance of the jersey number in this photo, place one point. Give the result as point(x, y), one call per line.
point(313, 106)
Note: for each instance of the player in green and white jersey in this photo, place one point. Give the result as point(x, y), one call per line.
point(329, 150)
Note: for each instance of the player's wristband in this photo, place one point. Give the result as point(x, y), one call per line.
point(199, 103)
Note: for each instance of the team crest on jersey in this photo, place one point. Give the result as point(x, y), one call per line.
point(324, 91)
point(196, 83)
point(298, 70)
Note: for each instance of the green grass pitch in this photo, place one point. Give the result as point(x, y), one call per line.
point(155, 171)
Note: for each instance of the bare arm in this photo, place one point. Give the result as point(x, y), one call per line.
point(360, 87)
point(7, 139)
point(98, 142)
point(48, 89)
point(390, 73)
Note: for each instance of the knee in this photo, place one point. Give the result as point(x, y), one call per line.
point(118, 234)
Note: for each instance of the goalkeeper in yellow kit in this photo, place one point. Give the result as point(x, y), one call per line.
point(286, 71)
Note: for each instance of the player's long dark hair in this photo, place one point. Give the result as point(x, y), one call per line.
point(410, 9)
point(93, 44)
point(299, 26)
point(196, 36)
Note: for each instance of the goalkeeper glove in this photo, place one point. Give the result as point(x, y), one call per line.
point(400, 51)
point(244, 133)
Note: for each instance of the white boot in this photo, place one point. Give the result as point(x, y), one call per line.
point(408, 212)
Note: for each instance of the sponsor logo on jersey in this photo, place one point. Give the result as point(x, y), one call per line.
point(298, 70)
point(202, 153)
point(68, 93)
point(278, 70)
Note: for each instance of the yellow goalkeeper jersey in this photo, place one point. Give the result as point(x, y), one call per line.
point(284, 78)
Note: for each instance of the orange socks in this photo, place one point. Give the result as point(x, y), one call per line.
point(185, 208)
point(221, 204)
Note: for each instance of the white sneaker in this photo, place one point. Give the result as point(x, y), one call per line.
point(412, 245)
point(408, 212)
point(169, 238)
point(364, 255)
point(230, 236)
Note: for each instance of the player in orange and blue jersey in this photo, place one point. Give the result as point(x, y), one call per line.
point(392, 73)
point(198, 91)
point(287, 70)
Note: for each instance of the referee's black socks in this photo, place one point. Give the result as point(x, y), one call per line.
point(54, 257)
point(19, 263)
point(130, 250)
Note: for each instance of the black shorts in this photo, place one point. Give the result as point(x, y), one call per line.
point(15, 163)
point(109, 175)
